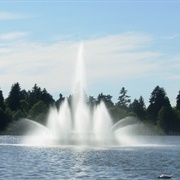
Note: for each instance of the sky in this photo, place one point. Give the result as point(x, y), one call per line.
point(131, 44)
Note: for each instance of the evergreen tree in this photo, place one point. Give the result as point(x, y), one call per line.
point(157, 100)
point(46, 97)
point(2, 106)
point(38, 112)
point(167, 119)
point(13, 100)
point(24, 95)
point(177, 123)
point(4, 120)
point(106, 99)
point(124, 99)
point(59, 101)
point(178, 101)
point(37, 94)
point(91, 102)
point(18, 115)
point(138, 107)
point(24, 106)
point(142, 104)
point(34, 95)
point(117, 113)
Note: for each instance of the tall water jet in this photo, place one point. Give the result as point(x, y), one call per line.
point(81, 110)
point(80, 75)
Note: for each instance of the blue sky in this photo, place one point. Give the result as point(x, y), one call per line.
point(131, 44)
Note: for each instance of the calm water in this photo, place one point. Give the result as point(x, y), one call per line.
point(146, 161)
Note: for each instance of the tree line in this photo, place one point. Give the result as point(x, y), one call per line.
point(34, 104)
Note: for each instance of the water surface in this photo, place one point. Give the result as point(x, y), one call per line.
point(144, 161)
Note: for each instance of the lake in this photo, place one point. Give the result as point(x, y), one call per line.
point(146, 160)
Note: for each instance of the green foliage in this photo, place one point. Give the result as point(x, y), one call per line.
point(166, 119)
point(2, 105)
point(133, 114)
point(178, 101)
point(117, 113)
point(177, 120)
point(8, 112)
point(46, 97)
point(39, 95)
point(123, 99)
point(139, 108)
point(59, 101)
point(18, 115)
point(41, 118)
point(34, 95)
point(4, 120)
point(106, 99)
point(13, 100)
point(24, 106)
point(34, 104)
point(24, 94)
point(38, 110)
point(157, 100)
point(91, 103)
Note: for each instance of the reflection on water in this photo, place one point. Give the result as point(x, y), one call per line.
point(79, 162)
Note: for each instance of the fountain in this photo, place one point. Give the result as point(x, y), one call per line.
point(78, 124)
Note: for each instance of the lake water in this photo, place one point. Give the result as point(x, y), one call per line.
point(154, 156)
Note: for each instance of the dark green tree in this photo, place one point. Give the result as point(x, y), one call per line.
point(167, 119)
point(2, 105)
point(59, 101)
point(37, 94)
point(157, 100)
point(13, 100)
point(38, 112)
point(24, 95)
point(178, 101)
point(4, 120)
point(46, 97)
point(91, 102)
point(139, 108)
point(18, 115)
point(142, 104)
point(106, 99)
point(117, 113)
point(24, 106)
point(177, 123)
point(123, 99)
point(34, 95)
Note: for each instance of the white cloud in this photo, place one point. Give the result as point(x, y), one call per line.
point(8, 16)
point(112, 58)
point(44, 64)
point(121, 56)
point(14, 35)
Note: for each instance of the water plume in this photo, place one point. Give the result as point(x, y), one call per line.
point(77, 124)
